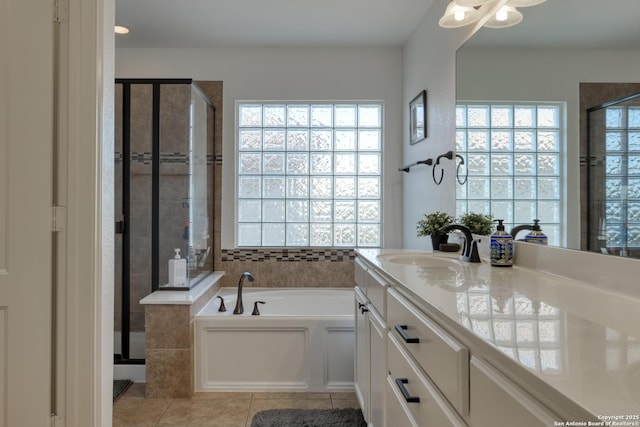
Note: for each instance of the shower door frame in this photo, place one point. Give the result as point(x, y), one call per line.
point(122, 227)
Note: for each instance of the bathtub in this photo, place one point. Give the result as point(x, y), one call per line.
point(303, 340)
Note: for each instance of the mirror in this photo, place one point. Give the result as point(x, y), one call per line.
point(560, 50)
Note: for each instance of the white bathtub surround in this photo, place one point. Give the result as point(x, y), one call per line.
point(561, 324)
point(303, 340)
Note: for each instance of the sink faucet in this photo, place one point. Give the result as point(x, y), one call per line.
point(470, 248)
point(518, 228)
point(239, 307)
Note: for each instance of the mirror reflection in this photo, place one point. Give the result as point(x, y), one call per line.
point(523, 93)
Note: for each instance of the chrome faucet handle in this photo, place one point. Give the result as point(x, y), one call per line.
point(222, 307)
point(255, 311)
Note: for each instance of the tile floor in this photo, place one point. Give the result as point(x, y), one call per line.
point(215, 409)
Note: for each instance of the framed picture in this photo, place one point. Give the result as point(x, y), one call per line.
point(418, 118)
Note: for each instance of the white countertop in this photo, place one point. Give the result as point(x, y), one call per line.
point(183, 297)
point(582, 340)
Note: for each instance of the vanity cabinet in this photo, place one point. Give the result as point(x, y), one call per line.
point(495, 400)
point(413, 368)
point(412, 396)
point(362, 352)
point(439, 355)
point(371, 344)
point(428, 369)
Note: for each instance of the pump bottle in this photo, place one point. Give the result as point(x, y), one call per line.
point(177, 271)
point(501, 246)
point(536, 235)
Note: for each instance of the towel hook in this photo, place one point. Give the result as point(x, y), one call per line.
point(447, 155)
point(466, 175)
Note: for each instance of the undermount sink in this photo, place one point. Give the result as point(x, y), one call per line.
point(418, 259)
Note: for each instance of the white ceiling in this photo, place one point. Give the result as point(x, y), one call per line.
point(598, 24)
point(261, 23)
point(613, 24)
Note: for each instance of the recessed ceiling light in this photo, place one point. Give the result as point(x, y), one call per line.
point(119, 29)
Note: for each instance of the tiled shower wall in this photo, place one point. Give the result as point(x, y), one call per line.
point(271, 267)
point(175, 100)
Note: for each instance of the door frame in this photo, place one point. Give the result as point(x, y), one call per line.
point(85, 260)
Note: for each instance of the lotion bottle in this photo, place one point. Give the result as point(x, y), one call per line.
point(177, 271)
point(501, 247)
point(536, 235)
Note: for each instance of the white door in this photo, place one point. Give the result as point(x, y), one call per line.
point(26, 117)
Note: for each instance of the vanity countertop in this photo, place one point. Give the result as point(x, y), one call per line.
point(582, 340)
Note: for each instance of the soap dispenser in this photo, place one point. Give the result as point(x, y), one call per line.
point(501, 246)
point(177, 271)
point(536, 235)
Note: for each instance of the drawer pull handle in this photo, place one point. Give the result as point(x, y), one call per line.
point(401, 330)
point(363, 310)
point(405, 393)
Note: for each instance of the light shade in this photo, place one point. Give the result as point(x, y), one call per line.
point(507, 16)
point(458, 16)
point(524, 3)
point(119, 29)
point(474, 3)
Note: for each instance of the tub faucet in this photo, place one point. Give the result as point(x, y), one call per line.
point(470, 248)
point(239, 307)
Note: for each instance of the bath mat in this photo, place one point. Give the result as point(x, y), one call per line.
point(344, 417)
point(119, 387)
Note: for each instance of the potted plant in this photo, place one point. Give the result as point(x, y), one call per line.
point(481, 224)
point(431, 223)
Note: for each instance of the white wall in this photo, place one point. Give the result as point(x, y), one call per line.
point(429, 63)
point(288, 74)
point(546, 75)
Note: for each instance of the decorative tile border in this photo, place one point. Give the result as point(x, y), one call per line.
point(288, 255)
point(146, 158)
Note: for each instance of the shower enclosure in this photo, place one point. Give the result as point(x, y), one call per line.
point(614, 177)
point(163, 196)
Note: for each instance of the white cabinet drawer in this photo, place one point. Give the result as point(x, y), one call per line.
point(415, 394)
point(442, 357)
point(496, 401)
point(396, 415)
point(377, 291)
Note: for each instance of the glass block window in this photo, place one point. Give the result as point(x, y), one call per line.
point(513, 162)
point(309, 174)
point(622, 136)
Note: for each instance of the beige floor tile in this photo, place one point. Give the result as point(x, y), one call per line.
point(258, 405)
point(206, 413)
point(222, 395)
point(138, 412)
point(135, 391)
point(290, 395)
point(345, 403)
point(343, 395)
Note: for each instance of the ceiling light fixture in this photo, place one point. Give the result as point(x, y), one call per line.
point(524, 3)
point(507, 16)
point(474, 3)
point(119, 29)
point(458, 16)
point(464, 12)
